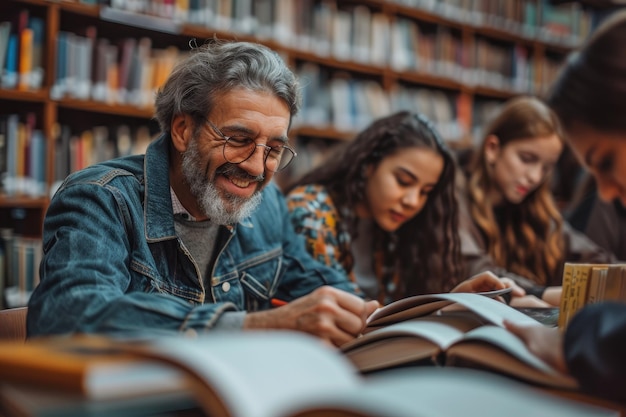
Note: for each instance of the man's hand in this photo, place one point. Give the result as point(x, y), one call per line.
point(488, 281)
point(333, 315)
point(545, 342)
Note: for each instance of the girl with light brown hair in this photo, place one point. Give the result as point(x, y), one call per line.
point(510, 223)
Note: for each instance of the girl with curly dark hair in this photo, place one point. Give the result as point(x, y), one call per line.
point(383, 211)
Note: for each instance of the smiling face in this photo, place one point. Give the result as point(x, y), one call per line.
point(520, 166)
point(604, 155)
point(397, 189)
point(206, 183)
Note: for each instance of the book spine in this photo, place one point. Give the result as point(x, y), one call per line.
point(25, 59)
point(568, 270)
point(9, 76)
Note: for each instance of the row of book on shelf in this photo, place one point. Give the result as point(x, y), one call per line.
point(349, 104)
point(21, 52)
point(129, 70)
point(125, 74)
point(304, 23)
point(542, 19)
point(19, 267)
point(430, 355)
point(346, 104)
point(374, 38)
point(24, 149)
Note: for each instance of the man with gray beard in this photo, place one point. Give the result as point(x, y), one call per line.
point(193, 235)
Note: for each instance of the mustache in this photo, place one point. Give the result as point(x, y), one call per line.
point(233, 171)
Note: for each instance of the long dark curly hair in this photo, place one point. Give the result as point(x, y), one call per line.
point(425, 251)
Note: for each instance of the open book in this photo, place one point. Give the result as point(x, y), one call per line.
point(422, 305)
point(289, 374)
point(415, 330)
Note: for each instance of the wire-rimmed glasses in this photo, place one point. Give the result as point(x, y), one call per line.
point(238, 149)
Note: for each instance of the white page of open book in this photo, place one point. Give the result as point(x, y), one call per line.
point(493, 311)
point(257, 373)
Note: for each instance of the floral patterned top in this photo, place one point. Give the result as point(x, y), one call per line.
point(314, 215)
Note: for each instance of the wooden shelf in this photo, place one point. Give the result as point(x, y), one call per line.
point(23, 201)
point(98, 107)
point(493, 92)
point(79, 8)
point(323, 133)
point(424, 16)
point(38, 96)
point(327, 61)
point(431, 80)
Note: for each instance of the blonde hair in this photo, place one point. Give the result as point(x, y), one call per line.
point(528, 239)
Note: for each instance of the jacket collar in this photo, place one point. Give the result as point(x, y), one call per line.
point(158, 211)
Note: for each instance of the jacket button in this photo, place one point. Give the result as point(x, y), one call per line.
point(226, 286)
point(214, 281)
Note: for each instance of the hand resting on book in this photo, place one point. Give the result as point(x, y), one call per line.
point(545, 342)
point(333, 315)
point(488, 281)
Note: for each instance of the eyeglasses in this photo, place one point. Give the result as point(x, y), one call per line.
point(238, 149)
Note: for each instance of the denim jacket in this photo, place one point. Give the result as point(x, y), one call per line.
point(112, 261)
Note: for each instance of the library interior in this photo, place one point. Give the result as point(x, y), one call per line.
point(436, 154)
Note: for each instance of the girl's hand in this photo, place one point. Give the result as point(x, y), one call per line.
point(488, 281)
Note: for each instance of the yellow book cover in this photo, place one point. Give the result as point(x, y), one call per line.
point(25, 65)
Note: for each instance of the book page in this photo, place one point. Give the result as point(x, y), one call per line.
point(254, 373)
point(495, 348)
point(405, 309)
point(419, 305)
point(493, 311)
point(437, 392)
point(408, 342)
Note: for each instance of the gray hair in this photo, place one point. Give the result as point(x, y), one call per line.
point(218, 67)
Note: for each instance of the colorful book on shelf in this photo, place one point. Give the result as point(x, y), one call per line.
point(283, 374)
point(59, 87)
point(12, 154)
point(37, 26)
point(25, 61)
point(452, 329)
point(9, 72)
point(5, 32)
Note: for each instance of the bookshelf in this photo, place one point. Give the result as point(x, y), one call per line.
point(82, 93)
